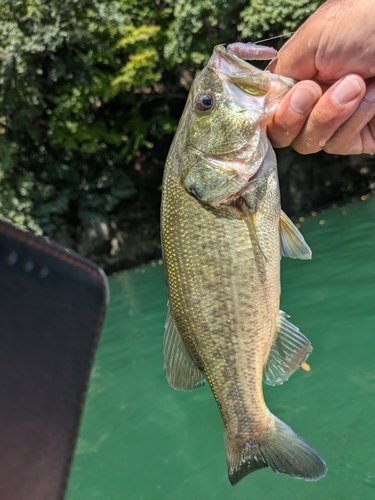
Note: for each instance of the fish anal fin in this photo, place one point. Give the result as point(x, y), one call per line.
point(288, 352)
point(181, 372)
point(280, 448)
point(293, 244)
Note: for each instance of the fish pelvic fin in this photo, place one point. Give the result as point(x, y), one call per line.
point(279, 448)
point(289, 350)
point(292, 242)
point(180, 371)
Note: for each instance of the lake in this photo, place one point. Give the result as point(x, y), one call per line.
point(142, 440)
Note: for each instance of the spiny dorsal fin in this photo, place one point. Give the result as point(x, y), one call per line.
point(289, 350)
point(293, 244)
point(179, 369)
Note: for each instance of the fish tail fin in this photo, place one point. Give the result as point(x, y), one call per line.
point(279, 448)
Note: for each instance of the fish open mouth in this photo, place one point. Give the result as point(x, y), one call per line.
point(247, 77)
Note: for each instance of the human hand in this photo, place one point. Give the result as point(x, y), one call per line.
point(333, 53)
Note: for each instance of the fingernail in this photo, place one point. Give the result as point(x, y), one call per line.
point(370, 94)
point(346, 90)
point(303, 99)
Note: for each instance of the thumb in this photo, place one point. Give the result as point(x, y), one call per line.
point(295, 59)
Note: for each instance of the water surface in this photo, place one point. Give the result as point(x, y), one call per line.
point(140, 439)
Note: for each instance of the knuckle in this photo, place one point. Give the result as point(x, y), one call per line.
point(332, 149)
point(304, 149)
point(340, 148)
point(279, 136)
point(279, 142)
point(305, 145)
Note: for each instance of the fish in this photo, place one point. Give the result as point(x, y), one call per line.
point(223, 233)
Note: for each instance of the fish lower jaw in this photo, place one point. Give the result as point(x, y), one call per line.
point(245, 161)
point(246, 167)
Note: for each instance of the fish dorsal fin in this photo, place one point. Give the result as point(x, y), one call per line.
point(288, 351)
point(293, 244)
point(181, 372)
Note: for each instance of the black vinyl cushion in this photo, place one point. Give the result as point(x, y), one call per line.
point(52, 305)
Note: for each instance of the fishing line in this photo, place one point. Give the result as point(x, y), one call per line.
point(274, 37)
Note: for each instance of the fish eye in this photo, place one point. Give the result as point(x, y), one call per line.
point(205, 102)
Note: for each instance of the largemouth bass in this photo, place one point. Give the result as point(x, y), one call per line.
point(223, 234)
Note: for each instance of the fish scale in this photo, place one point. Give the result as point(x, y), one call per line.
point(223, 233)
point(225, 284)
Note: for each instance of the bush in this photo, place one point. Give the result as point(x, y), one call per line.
point(91, 92)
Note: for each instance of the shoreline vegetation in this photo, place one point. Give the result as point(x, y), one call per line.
point(90, 96)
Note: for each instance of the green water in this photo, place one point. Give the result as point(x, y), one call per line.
point(140, 439)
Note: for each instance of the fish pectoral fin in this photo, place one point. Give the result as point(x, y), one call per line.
point(279, 448)
point(181, 372)
point(293, 244)
point(251, 224)
point(288, 352)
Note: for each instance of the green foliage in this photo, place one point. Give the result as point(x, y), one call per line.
point(91, 92)
point(71, 117)
point(275, 17)
point(196, 27)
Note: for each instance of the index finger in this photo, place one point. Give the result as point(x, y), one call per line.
point(292, 113)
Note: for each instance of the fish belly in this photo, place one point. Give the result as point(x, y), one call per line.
point(224, 289)
point(224, 297)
